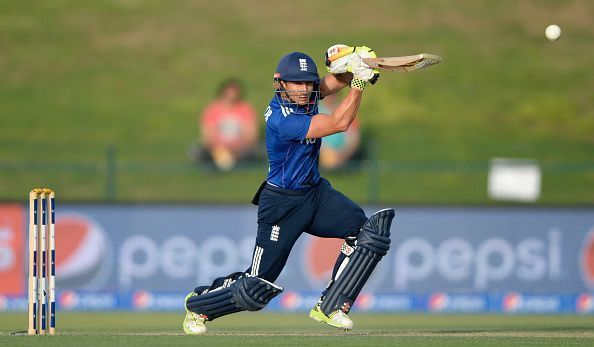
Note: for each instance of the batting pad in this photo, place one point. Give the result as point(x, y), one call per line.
point(373, 242)
point(246, 294)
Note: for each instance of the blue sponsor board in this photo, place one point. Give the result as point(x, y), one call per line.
point(366, 302)
point(70, 300)
point(534, 303)
point(154, 301)
point(442, 259)
point(12, 303)
point(294, 301)
point(386, 303)
point(472, 250)
point(444, 302)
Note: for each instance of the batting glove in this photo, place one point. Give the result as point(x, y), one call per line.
point(337, 58)
point(362, 70)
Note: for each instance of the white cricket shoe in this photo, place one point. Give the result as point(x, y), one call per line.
point(337, 319)
point(194, 323)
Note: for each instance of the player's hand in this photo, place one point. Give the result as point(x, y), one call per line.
point(337, 58)
point(366, 75)
point(362, 73)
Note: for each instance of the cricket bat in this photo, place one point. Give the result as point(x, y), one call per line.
point(404, 64)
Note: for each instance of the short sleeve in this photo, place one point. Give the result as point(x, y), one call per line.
point(294, 127)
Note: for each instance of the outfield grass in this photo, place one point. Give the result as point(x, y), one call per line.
point(81, 77)
point(268, 329)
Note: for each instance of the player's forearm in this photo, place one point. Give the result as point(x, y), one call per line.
point(347, 110)
point(331, 84)
point(339, 120)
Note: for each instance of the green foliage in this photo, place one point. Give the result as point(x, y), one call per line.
point(79, 77)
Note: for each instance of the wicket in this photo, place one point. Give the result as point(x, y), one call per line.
point(42, 253)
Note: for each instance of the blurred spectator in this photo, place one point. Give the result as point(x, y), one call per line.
point(228, 128)
point(338, 148)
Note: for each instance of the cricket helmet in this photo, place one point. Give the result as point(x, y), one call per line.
point(297, 67)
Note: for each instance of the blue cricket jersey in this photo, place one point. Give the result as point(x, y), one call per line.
point(293, 159)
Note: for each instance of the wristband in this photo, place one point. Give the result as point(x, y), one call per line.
point(358, 83)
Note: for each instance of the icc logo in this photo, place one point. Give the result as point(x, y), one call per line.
point(587, 260)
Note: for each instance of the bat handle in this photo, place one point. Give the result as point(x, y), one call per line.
point(371, 62)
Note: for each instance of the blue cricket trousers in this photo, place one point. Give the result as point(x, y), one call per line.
point(283, 215)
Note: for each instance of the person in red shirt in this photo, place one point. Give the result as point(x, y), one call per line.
point(228, 127)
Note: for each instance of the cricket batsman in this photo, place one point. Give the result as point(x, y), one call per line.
point(294, 199)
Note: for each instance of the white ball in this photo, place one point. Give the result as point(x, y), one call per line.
point(553, 32)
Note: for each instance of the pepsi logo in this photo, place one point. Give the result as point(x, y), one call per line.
point(587, 260)
point(511, 302)
point(141, 300)
point(318, 260)
point(290, 300)
point(437, 301)
point(68, 299)
point(83, 254)
point(320, 257)
point(584, 303)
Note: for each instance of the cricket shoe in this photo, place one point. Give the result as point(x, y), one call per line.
point(194, 322)
point(337, 319)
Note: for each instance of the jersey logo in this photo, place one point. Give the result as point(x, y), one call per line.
point(309, 141)
point(267, 113)
point(303, 64)
point(275, 233)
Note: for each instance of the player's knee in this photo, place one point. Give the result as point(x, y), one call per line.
point(375, 243)
point(375, 233)
point(356, 223)
point(360, 219)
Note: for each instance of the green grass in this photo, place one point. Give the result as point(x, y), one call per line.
point(78, 78)
point(268, 329)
